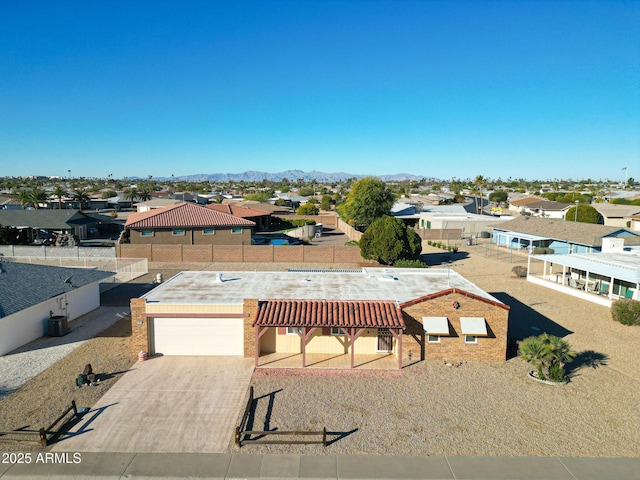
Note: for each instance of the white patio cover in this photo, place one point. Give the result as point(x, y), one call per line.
point(435, 325)
point(473, 326)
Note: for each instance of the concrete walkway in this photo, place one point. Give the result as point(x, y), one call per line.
point(248, 466)
point(166, 404)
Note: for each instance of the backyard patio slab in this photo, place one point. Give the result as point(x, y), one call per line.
point(166, 404)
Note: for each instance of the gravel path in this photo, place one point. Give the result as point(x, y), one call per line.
point(23, 364)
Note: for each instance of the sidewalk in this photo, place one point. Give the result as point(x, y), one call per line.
point(246, 466)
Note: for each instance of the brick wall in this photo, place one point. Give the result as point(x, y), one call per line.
point(258, 254)
point(453, 348)
point(243, 253)
point(197, 253)
point(139, 333)
point(250, 310)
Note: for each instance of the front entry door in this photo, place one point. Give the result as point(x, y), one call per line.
point(385, 340)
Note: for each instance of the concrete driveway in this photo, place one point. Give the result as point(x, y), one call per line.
point(166, 404)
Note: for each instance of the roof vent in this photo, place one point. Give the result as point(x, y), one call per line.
point(388, 278)
point(218, 278)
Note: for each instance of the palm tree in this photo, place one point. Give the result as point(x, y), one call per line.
point(548, 354)
point(82, 197)
point(24, 197)
point(38, 196)
point(479, 182)
point(144, 194)
point(59, 192)
point(131, 195)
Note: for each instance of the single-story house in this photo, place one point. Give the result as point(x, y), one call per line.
point(156, 203)
point(187, 224)
point(262, 218)
point(600, 277)
point(617, 215)
point(518, 205)
point(410, 314)
point(546, 209)
point(31, 294)
point(39, 224)
point(560, 236)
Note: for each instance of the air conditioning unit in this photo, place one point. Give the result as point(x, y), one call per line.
point(58, 326)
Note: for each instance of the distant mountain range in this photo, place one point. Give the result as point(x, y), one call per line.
point(254, 176)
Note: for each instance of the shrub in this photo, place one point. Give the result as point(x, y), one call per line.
point(449, 248)
point(626, 311)
point(429, 242)
point(548, 354)
point(455, 249)
point(301, 222)
point(351, 243)
point(519, 271)
point(404, 263)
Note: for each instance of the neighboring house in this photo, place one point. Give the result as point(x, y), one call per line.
point(635, 223)
point(40, 224)
point(560, 235)
point(617, 215)
point(518, 205)
point(188, 224)
point(156, 203)
point(600, 277)
point(30, 294)
point(469, 224)
point(189, 197)
point(546, 209)
point(292, 200)
point(267, 207)
point(262, 218)
point(405, 313)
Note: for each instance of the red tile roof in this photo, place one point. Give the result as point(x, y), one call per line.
point(329, 313)
point(238, 211)
point(185, 215)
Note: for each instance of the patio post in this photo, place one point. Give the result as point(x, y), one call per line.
point(611, 289)
point(256, 344)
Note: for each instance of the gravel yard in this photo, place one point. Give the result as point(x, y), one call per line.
point(427, 409)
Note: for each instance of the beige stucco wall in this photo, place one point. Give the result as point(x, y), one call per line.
point(365, 344)
point(185, 308)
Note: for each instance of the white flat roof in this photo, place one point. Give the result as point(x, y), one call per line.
point(202, 287)
point(623, 266)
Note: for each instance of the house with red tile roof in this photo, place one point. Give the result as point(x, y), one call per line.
point(187, 224)
point(336, 319)
point(262, 218)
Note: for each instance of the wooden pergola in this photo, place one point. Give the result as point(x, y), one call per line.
point(354, 317)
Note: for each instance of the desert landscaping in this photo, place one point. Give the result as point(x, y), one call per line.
point(485, 409)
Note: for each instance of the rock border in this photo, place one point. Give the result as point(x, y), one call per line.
point(546, 382)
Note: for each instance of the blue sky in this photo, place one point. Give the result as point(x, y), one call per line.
point(531, 89)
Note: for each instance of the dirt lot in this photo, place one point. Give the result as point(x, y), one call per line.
point(477, 409)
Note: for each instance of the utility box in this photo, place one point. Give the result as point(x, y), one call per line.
point(58, 326)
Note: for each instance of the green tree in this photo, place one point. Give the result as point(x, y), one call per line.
point(326, 202)
point(307, 209)
point(548, 354)
point(131, 195)
point(368, 200)
point(478, 183)
point(585, 214)
point(59, 192)
point(499, 196)
point(388, 239)
point(83, 198)
point(24, 197)
point(38, 196)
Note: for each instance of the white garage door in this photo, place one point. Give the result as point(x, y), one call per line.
point(198, 336)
